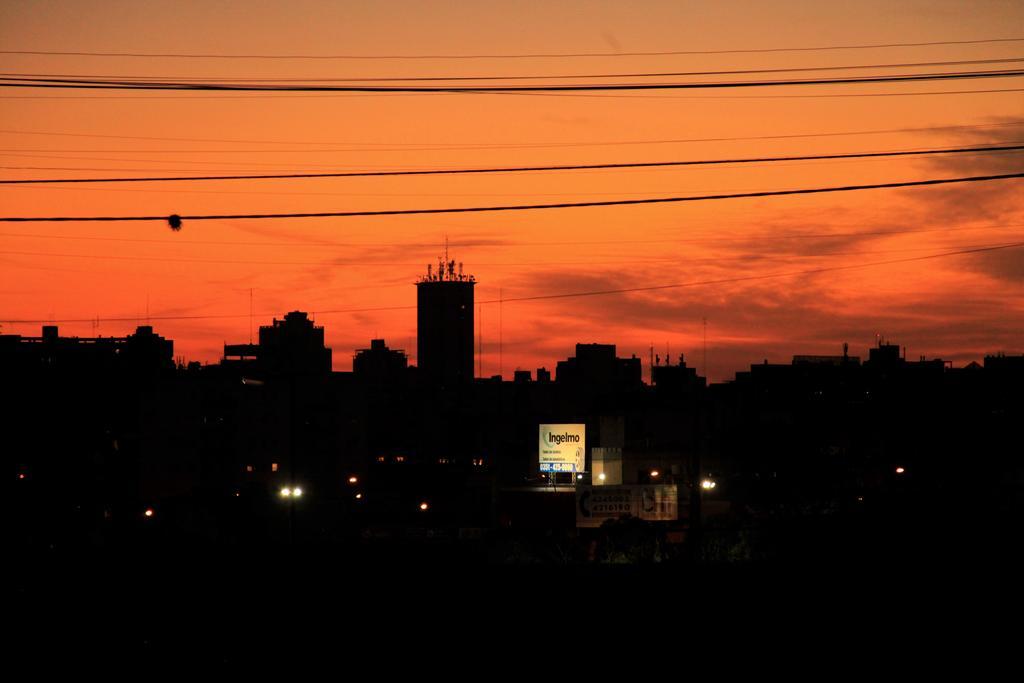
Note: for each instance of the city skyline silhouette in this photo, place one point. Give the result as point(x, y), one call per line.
point(118, 274)
point(319, 318)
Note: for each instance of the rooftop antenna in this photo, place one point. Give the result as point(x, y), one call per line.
point(501, 359)
point(250, 316)
point(652, 363)
point(480, 341)
point(705, 320)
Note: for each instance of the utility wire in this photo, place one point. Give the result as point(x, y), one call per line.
point(748, 278)
point(504, 244)
point(569, 295)
point(176, 220)
point(59, 153)
point(391, 146)
point(519, 77)
point(821, 48)
point(336, 263)
point(569, 87)
point(495, 92)
point(524, 169)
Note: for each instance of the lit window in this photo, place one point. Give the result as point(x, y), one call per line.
point(399, 458)
point(249, 468)
point(380, 458)
point(273, 467)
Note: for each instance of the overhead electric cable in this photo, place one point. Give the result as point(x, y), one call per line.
point(505, 244)
point(176, 220)
point(522, 169)
point(363, 263)
point(89, 84)
point(648, 74)
point(567, 295)
point(392, 146)
point(748, 278)
point(820, 48)
point(494, 93)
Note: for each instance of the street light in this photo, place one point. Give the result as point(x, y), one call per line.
point(708, 484)
point(900, 470)
point(148, 512)
point(424, 506)
point(353, 480)
point(654, 474)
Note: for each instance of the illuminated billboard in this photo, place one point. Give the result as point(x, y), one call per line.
point(563, 447)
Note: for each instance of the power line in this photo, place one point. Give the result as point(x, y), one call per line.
point(87, 168)
point(267, 193)
point(223, 166)
point(89, 84)
point(176, 220)
point(495, 92)
point(648, 74)
point(917, 93)
point(820, 48)
point(809, 271)
point(568, 295)
point(362, 263)
point(391, 146)
point(59, 153)
point(507, 244)
point(523, 169)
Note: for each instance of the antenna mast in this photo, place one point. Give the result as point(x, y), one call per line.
point(705, 320)
point(652, 363)
point(501, 359)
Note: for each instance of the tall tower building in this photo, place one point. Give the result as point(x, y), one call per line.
point(444, 324)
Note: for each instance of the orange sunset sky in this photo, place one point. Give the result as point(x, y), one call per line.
point(958, 307)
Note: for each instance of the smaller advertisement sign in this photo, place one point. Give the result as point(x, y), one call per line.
point(655, 503)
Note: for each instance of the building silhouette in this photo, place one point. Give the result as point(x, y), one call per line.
point(444, 325)
point(597, 366)
point(293, 346)
point(143, 354)
point(379, 364)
